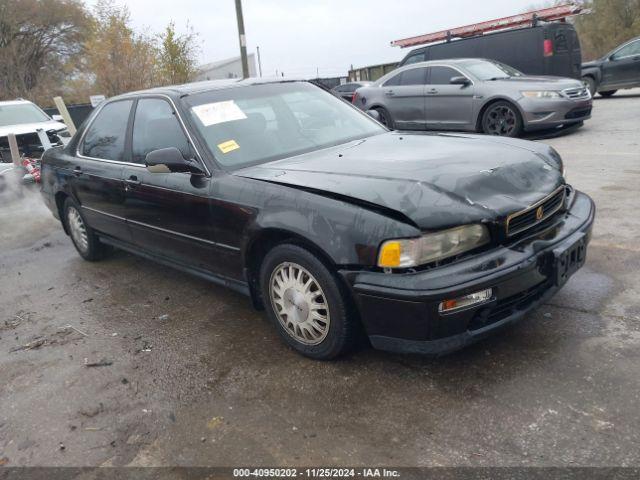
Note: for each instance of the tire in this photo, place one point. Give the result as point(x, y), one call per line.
point(82, 235)
point(608, 93)
point(590, 83)
point(291, 280)
point(385, 118)
point(502, 118)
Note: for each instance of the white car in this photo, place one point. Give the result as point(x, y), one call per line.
point(24, 119)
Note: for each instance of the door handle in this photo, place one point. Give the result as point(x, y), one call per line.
point(432, 91)
point(133, 180)
point(77, 171)
point(389, 93)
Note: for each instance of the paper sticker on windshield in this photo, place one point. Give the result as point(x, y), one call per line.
point(230, 146)
point(218, 112)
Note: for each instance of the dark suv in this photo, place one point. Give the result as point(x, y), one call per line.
point(329, 221)
point(617, 70)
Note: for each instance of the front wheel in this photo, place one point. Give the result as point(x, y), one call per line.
point(503, 119)
point(590, 83)
point(608, 93)
point(385, 118)
point(306, 303)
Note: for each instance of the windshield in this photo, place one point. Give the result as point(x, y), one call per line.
point(18, 113)
point(257, 124)
point(485, 70)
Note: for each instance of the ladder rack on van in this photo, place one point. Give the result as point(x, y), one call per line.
point(559, 12)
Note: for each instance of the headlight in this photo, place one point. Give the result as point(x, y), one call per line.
point(431, 247)
point(545, 94)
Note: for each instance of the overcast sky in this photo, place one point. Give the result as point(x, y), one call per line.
point(298, 36)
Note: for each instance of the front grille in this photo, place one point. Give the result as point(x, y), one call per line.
point(578, 112)
point(578, 93)
point(508, 306)
point(536, 213)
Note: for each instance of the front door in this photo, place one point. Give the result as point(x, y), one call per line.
point(169, 214)
point(623, 67)
point(404, 98)
point(96, 176)
point(447, 106)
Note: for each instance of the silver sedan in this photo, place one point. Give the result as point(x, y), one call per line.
point(474, 95)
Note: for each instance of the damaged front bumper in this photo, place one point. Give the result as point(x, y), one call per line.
point(401, 313)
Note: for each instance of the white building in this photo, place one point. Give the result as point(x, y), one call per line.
point(229, 68)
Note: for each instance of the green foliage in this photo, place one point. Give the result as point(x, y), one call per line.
point(41, 43)
point(177, 56)
point(611, 23)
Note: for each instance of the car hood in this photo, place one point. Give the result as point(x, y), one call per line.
point(533, 82)
point(593, 63)
point(434, 180)
point(31, 127)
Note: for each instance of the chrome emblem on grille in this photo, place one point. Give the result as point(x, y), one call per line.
point(539, 213)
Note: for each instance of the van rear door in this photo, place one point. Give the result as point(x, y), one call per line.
point(565, 57)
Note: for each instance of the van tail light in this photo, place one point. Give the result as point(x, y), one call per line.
point(548, 48)
point(354, 97)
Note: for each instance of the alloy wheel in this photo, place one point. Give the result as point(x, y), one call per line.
point(501, 120)
point(299, 303)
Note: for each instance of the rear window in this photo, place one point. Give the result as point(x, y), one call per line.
point(561, 42)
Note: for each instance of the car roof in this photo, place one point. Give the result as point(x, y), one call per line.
point(15, 102)
point(209, 85)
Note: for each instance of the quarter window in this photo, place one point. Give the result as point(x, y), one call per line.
point(395, 80)
point(106, 136)
point(442, 75)
point(155, 126)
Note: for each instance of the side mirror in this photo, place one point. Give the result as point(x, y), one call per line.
point(170, 159)
point(461, 80)
point(374, 114)
point(57, 118)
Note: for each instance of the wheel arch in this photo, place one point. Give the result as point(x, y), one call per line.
point(261, 242)
point(61, 198)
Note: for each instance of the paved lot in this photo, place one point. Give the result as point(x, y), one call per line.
point(199, 378)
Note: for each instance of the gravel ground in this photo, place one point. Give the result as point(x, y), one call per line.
point(194, 376)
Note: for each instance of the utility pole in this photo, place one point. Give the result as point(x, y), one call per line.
point(259, 61)
point(243, 40)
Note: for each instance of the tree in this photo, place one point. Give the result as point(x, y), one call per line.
point(40, 43)
point(177, 56)
point(610, 23)
point(120, 59)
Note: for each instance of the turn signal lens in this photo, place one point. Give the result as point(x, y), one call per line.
point(390, 255)
point(431, 247)
point(448, 306)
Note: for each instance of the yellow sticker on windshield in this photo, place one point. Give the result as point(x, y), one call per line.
point(229, 146)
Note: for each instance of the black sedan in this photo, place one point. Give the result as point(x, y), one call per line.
point(348, 90)
point(321, 215)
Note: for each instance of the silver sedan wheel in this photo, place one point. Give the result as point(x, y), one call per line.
point(500, 120)
point(299, 303)
point(77, 229)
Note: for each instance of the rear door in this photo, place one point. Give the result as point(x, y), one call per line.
point(623, 67)
point(170, 214)
point(96, 176)
point(447, 106)
point(404, 98)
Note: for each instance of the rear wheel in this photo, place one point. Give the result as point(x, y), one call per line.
point(503, 119)
point(306, 303)
point(82, 235)
point(385, 118)
point(590, 83)
point(608, 93)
